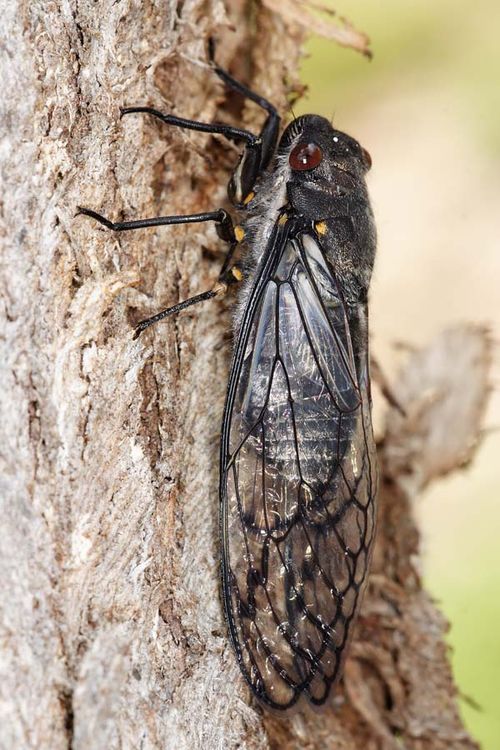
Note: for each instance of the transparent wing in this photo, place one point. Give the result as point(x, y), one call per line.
point(298, 483)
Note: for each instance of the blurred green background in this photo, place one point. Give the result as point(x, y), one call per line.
point(427, 107)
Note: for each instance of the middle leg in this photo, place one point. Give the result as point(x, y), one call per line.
point(225, 230)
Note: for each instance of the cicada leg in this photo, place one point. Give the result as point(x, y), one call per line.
point(225, 230)
point(258, 150)
point(254, 159)
point(245, 175)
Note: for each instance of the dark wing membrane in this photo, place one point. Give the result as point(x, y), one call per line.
point(298, 481)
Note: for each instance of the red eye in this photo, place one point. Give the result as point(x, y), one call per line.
point(305, 156)
point(367, 159)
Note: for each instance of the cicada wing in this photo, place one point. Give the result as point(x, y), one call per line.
point(298, 482)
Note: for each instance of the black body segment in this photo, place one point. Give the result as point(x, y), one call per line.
point(298, 463)
point(298, 478)
point(298, 470)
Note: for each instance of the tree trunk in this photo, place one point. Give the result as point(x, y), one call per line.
point(112, 629)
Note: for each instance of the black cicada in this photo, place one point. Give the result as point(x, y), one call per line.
point(298, 472)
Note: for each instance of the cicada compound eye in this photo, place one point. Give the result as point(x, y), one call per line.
point(305, 156)
point(367, 159)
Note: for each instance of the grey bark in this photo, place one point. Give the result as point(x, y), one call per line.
point(111, 628)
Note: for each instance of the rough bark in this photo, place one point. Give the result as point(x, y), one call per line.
point(111, 629)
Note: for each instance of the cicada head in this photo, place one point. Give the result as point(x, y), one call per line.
point(325, 165)
point(313, 144)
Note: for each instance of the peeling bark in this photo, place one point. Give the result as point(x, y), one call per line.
point(112, 631)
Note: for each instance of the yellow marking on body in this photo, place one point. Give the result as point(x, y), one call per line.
point(239, 233)
point(282, 220)
point(321, 227)
point(237, 273)
point(248, 198)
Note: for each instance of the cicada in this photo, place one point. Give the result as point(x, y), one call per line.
point(298, 470)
